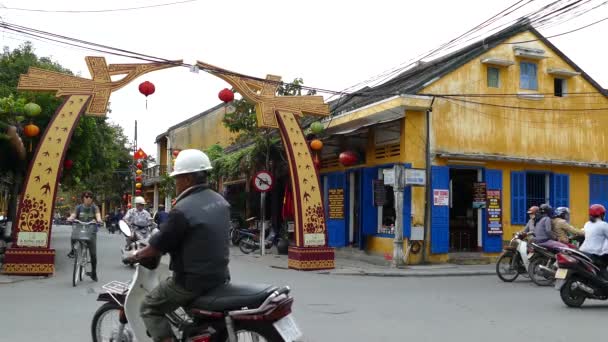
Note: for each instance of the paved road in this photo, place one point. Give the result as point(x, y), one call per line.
point(328, 308)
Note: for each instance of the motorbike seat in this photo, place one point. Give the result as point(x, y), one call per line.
point(233, 297)
point(539, 247)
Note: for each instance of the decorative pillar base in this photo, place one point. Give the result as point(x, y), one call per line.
point(311, 258)
point(29, 261)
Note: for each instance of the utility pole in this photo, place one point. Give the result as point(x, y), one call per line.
point(133, 181)
point(398, 185)
point(428, 190)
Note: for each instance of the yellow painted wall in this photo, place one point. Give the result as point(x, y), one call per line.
point(202, 132)
point(470, 128)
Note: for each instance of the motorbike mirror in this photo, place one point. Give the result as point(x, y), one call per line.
point(124, 228)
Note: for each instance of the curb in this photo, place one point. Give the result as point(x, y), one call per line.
point(414, 274)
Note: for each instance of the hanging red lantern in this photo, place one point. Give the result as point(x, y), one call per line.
point(138, 179)
point(67, 164)
point(226, 95)
point(139, 165)
point(348, 158)
point(147, 89)
point(175, 153)
point(138, 192)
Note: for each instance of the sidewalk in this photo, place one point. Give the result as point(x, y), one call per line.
point(372, 266)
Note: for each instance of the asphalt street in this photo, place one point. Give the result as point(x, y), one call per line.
point(327, 307)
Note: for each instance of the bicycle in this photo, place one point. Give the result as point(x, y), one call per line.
point(82, 234)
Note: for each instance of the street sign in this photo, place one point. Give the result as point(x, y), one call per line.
point(263, 181)
point(415, 177)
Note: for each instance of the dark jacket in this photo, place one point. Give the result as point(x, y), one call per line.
point(196, 236)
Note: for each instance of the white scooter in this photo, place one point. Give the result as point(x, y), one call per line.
point(515, 259)
point(228, 313)
point(137, 237)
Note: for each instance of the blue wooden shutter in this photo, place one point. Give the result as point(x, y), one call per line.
point(598, 190)
point(560, 190)
point(492, 243)
point(440, 215)
point(518, 197)
point(407, 211)
point(369, 213)
point(524, 80)
point(336, 229)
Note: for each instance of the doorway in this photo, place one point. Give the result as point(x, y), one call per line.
point(354, 208)
point(464, 219)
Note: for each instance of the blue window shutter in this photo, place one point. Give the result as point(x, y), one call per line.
point(369, 213)
point(407, 211)
point(336, 229)
point(492, 243)
point(598, 190)
point(560, 190)
point(533, 77)
point(523, 75)
point(518, 197)
point(440, 215)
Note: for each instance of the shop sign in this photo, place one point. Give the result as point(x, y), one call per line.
point(32, 239)
point(389, 176)
point(441, 197)
point(415, 177)
point(494, 208)
point(479, 195)
point(379, 193)
point(314, 239)
point(336, 204)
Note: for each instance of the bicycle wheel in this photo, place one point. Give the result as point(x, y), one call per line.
point(84, 259)
point(76, 273)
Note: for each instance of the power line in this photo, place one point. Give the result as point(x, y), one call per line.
point(99, 10)
point(561, 34)
point(527, 108)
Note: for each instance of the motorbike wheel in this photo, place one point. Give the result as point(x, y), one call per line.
point(247, 245)
point(255, 332)
point(235, 237)
point(504, 268)
point(536, 274)
point(570, 297)
point(106, 323)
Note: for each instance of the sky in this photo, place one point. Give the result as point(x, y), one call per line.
point(330, 44)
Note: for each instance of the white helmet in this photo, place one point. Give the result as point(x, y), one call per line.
point(189, 161)
point(140, 200)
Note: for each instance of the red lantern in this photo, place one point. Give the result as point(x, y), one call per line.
point(139, 165)
point(226, 95)
point(316, 161)
point(138, 192)
point(138, 179)
point(67, 164)
point(147, 88)
point(175, 153)
point(348, 158)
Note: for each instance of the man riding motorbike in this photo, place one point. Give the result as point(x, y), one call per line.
point(532, 221)
point(138, 218)
point(86, 212)
point(196, 236)
point(562, 228)
point(596, 238)
point(543, 230)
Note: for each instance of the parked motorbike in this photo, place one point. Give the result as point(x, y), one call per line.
point(137, 237)
point(578, 277)
point(228, 313)
point(250, 240)
point(236, 233)
point(5, 237)
point(515, 259)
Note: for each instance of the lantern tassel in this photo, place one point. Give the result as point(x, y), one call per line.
point(146, 103)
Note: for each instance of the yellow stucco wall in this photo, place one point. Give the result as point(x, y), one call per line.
point(202, 132)
point(472, 128)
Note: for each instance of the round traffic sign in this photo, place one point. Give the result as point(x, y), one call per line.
point(263, 181)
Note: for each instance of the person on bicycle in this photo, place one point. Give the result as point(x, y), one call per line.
point(87, 212)
point(138, 218)
point(562, 228)
point(196, 236)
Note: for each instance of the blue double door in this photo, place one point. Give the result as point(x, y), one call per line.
point(343, 188)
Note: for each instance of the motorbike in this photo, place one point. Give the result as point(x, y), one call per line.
point(250, 240)
point(229, 312)
point(5, 237)
point(542, 265)
point(578, 277)
point(137, 238)
point(515, 259)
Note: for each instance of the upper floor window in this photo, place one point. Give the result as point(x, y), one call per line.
point(559, 87)
point(528, 76)
point(493, 77)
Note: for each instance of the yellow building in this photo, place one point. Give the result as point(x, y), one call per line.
point(511, 119)
point(199, 132)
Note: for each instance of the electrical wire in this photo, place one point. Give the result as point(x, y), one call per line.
point(561, 34)
point(579, 110)
point(100, 10)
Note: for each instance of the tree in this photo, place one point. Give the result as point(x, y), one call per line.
point(98, 148)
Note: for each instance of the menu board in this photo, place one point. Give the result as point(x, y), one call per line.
point(479, 195)
point(441, 197)
point(379, 193)
point(336, 204)
point(494, 208)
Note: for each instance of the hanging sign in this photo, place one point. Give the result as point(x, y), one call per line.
point(441, 197)
point(479, 195)
point(415, 177)
point(379, 193)
point(494, 208)
point(336, 204)
point(262, 181)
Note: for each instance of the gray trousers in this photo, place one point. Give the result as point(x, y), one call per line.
point(165, 298)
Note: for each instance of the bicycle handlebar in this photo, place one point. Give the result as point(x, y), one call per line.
point(85, 223)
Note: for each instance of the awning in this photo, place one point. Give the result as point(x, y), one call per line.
point(494, 157)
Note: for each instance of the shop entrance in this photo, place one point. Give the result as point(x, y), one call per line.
point(464, 219)
point(354, 193)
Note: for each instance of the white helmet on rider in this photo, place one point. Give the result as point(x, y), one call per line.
point(191, 161)
point(562, 212)
point(140, 200)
